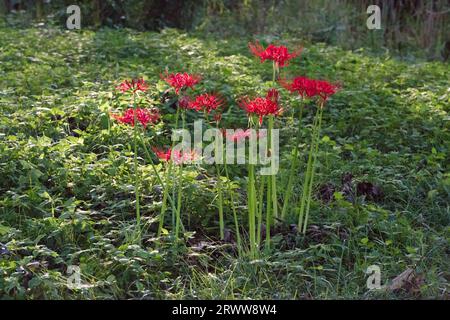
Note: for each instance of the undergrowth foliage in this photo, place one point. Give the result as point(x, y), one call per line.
point(73, 153)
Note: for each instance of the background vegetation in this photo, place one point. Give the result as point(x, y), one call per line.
point(418, 27)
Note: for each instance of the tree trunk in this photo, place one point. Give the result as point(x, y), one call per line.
point(39, 9)
point(97, 13)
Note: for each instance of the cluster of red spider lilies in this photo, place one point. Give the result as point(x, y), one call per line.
point(261, 193)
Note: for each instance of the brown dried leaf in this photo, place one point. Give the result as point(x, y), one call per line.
point(407, 280)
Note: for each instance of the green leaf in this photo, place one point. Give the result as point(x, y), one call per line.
point(364, 241)
point(338, 195)
point(4, 230)
point(411, 250)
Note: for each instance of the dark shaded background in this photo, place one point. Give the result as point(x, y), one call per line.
point(418, 27)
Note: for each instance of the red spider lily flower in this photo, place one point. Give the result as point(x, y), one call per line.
point(134, 85)
point(162, 155)
point(181, 81)
point(206, 102)
point(178, 157)
point(262, 106)
point(279, 54)
point(309, 88)
point(184, 102)
point(144, 116)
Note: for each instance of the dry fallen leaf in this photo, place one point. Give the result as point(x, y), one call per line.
point(407, 280)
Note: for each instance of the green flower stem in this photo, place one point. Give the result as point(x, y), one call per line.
point(294, 165)
point(307, 174)
point(251, 209)
point(251, 196)
point(179, 198)
point(158, 177)
point(164, 202)
point(268, 212)
point(220, 197)
point(273, 178)
point(313, 167)
point(220, 203)
point(180, 186)
point(233, 208)
point(136, 173)
point(271, 210)
point(260, 209)
point(166, 195)
point(166, 188)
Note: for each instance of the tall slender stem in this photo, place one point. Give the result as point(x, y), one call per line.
point(220, 204)
point(294, 165)
point(251, 209)
point(273, 178)
point(268, 212)
point(313, 167)
point(251, 195)
point(271, 189)
point(158, 178)
point(219, 191)
point(307, 174)
point(166, 189)
point(274, 72)
point(233, 208)
point(260, 208)
point(136, 174)
point(164, 202)
point(180, 184)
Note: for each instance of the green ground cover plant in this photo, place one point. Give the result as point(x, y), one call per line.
point(378, 180)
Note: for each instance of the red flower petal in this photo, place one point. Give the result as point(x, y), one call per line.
point(144, 116)
point(134, 85)
point(206, 102)
point(181, 81)
point(310, 88)
point(279, 54)
point(262, 106)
